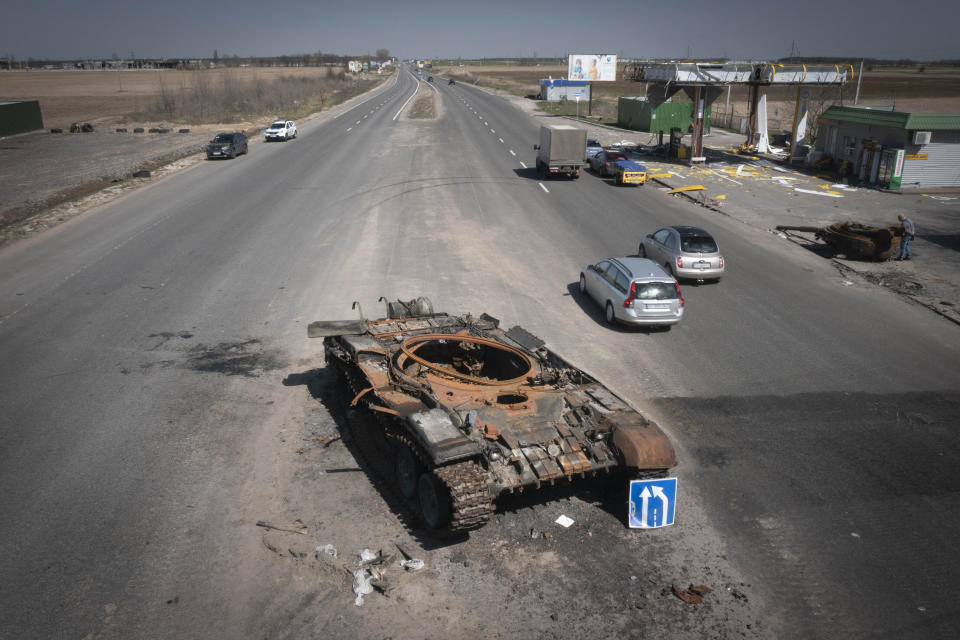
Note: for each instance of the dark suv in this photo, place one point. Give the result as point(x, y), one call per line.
point(227, 145)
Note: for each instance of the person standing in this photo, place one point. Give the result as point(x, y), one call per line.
point(909, 232)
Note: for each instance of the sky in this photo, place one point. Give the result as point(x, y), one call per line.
point(735, 29)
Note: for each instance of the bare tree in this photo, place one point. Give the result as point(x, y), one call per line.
point(383, 54)
point(820, 99)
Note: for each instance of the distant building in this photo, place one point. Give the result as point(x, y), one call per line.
point(559, 89)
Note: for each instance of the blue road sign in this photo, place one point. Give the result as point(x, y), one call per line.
point(653, 503)
point(577, 94)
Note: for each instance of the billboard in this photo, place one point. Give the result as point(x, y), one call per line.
point(589, 66)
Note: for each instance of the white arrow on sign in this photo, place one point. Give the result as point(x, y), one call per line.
point(658, 493)
point(645, 496)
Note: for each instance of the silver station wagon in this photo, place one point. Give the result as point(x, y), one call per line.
point(634, 291)
point(687, 252)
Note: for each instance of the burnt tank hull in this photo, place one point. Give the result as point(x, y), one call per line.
point(862, 242)
point(466, 411)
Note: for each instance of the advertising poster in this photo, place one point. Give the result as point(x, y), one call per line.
point(592, 67)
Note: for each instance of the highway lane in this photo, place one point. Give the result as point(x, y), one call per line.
point(109, 431)
point(808, 409)
point(144, 361)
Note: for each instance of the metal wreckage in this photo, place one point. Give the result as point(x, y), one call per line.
point(465, 412)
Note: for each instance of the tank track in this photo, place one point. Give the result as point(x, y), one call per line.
point(471, 503)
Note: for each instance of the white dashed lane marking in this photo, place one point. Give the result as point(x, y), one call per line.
point(543, 187)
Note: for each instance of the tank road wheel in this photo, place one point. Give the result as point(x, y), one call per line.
point(407, 469)
point(434, 501)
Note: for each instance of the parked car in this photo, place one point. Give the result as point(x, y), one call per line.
point(227, 145)
point(634, 291)
point(605, 162)
point(280, 130)
point(451, 81)
point(629, 172)
point(429, 78)
point(593, 147)
point(687, 252)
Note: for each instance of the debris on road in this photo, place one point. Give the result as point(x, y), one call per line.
point(414, 564)
point(564, 521)
point(692, 595)
point(328, 549)
point(736, 593)
point(269, 546)
point(819, 193)
point(372, 570)
point(361, 585)
point(296, 527)
point(692, 187)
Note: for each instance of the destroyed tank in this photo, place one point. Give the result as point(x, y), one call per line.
point(466, 412)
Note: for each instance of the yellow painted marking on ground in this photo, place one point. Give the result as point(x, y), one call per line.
point(692, 187)
point(834, 193)
point(659, 175)
point(721, 197)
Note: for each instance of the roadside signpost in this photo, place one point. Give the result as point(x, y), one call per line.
point(577, 95)
point(653, 503)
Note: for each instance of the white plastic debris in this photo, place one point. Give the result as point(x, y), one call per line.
point(818, 193)
point(847, 283)
point(782, 235)
point(564, 521)
point(413, 564)
point(361, 585)
point(366, 556)
point(328, 549)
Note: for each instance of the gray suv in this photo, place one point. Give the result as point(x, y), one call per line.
point(633, 291)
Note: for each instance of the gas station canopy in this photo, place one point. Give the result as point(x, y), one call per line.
point(724, 73)
point(704, 81)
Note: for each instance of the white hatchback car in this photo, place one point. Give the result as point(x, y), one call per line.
point(634, 291)
point(280, 130)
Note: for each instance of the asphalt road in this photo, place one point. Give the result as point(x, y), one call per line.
point(159, 397)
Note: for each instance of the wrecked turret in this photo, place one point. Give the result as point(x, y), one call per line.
point(466, 412)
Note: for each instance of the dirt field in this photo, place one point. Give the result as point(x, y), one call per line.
point(108, 98)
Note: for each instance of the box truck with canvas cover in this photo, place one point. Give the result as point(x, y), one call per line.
point(562, 150)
